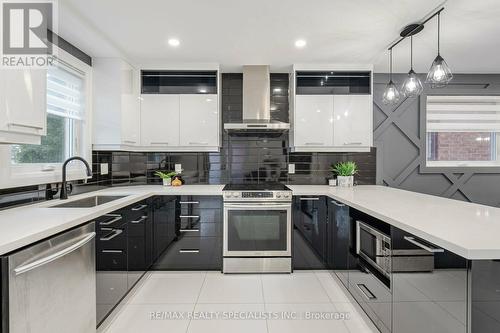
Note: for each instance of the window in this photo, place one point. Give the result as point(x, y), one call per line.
point(462, 131)
point(69, 86)
point(65, 119)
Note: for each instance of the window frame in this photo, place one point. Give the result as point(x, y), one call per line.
point(27, 174)
point(472, 166)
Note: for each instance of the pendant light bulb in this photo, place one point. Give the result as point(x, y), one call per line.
point(391, 94)
point(412, 86)
point(440, 73)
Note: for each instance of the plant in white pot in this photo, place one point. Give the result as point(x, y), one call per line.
point(345, 172)
point(166, 177)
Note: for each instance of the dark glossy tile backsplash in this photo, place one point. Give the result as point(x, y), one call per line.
point(243, 158)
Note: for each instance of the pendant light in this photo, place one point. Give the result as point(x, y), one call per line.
point(391, 94)
point(412, 87)
point(439, 74)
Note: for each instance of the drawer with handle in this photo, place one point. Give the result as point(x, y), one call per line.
point(201, 215)
point(200, 201)
point(194, 253)
point(112, 239)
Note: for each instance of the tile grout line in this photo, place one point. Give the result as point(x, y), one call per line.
point(197, 298)
point(264, 300)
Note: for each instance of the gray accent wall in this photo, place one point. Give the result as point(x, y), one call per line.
point(399, 136)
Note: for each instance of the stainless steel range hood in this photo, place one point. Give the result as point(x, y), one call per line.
point(256, 102)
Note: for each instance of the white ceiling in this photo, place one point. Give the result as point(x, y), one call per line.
point(236, 32)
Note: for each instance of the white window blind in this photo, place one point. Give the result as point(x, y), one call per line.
point(65, 92)
point(463, 113)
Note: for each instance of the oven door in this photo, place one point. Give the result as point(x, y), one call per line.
point(257, 229)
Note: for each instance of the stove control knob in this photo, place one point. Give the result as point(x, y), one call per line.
point(278, 195)
point(235, 194)
point(286, 195)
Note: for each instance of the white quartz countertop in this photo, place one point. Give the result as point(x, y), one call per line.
point(469, 230)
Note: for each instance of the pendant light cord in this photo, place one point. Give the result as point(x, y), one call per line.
point(411, 52)
point(439, 29)
point(390, 64)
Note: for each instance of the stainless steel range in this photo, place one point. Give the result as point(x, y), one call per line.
point(257, 229)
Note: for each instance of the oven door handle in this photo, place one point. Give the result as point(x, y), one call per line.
point(270, 206)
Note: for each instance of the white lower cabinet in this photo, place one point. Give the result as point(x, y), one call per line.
point(199, 121)
point(23, 105)
point(160, 120)
point(332, 123)
point(313, 121)
point(352, 121)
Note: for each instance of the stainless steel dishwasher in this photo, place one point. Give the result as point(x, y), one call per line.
point(50, 287)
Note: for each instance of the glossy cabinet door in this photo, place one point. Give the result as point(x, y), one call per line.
point(130, 106)
point(159, 120)
point(23, 105)
point(427, 297)
point(138, 221)
point(164, 220)
point(352, 121)
point(338, 231)
point(199, 120)
point(485, 296)
point(309, 236)
point(313, 124)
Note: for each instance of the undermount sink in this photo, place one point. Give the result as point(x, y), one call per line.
point(89, 202)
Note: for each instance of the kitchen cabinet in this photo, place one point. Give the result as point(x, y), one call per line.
point(338, 238)
point(164, 224)
point(313, 121)
point(429, 286)
point(116, 115)
point(199, 242)
point(331, 110)
point(352, 120)
point(199, 120)
point(309, 237)
point(23, 105)
point(160, 123)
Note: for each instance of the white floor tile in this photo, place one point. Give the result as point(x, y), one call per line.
point(293, 288)
point(358, 321)
point(300, 318)
point(231, 289)
point(229, 318)
point(169, 290)
point(138, 318)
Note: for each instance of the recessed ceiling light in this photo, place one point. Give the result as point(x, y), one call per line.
point(300, 43)
point(173, 42)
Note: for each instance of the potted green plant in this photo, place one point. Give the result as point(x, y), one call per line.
point(166, 177)
point(345, 172)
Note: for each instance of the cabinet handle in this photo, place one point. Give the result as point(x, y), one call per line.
point(338, 204)
point(189, 230)
point(366, 292)
point(112, 251)
point(190, 216)
point(139, 220)
point(309, 199)
point(198, 143)
point(140, 207)
point(353, 143)
point(314, 143)
point(423, 246)
point(26, 126)
point(158, 143)
point(115, 233)
point(189, 202)
point(129, 141)
point(115, 217)
point(189, 251)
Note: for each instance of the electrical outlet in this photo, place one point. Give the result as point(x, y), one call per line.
point(291, 168)
point(178, 168)
point(104, 168)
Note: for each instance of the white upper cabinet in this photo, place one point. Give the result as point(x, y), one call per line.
point(199, 120)
point(352, 121)
point(313, 120)
point(116, 114)
point(23, 105)
point(159, 121)
point(331, 108)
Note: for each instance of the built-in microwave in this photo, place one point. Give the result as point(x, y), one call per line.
point(374, 247)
